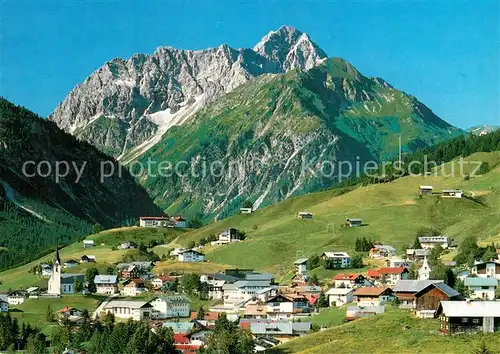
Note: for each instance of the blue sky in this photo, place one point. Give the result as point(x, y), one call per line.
point(446, 53)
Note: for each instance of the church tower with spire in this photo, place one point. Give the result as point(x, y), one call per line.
point(55, 278)
point(425, 271)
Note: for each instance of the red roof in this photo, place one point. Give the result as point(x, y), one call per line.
point(209, 315)
point(351, 276)
point(374, 273)
point(166, 278)
point(65, 309)
point(187, 348)
point(395, 270)
point(180, 338)
point(311, 298)
point(371, 291)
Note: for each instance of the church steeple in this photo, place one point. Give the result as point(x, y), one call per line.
point(57, 259)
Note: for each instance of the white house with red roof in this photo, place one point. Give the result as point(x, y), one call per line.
point(350, 280)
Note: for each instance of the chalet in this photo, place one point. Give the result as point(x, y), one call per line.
point(246, 210)
point(228, 236)
point(392, 275)
point(88, 243)
point(467, 316)
point(4, 303)
point(87, 259)
point(243, 290)
point(382, 251)
point(135, 287)
point(201, 331)
point(304, 215)
point(425, 190)
point(395, 262)
point(300, 266)
point(209, 316)
point(339, 296)
point(374, 274)
point(171, 306)
point(338, 259)
point(153, 221)
point(255, 311)
point(405, 291)
point(127, 271)
point(373, 296)
point(285, 306)
point(191, 256)
point(350, 280)
point(71, 314)
point(428, 242)
point(482, 288)
point(127, 245)
point(176, 251)
point(136, 310)
point(178, 222)
point(280, 330)
point(427, 299)
point(46, 270)
point(489, 269)
point(354, 222)
point(163, 282)
point(452, 193)
point(106, 284)
point(417, 254)
point(17, 297)
point(70, 263)
point(300, 279)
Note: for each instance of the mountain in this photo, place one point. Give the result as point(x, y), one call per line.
point(126, 103)
point(37, 212)
point(483, 129)
point(279, 136)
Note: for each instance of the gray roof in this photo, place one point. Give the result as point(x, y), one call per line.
point(179, 327)
point(256, 283)
point(4, 298)
point(171, 299)
point(259, 276)
point(225, 277)
point(278, 327)
point(471, 309)
point(131, 304)
point(354, 219)
point(413, 286)
point(300, 261)
point(449, 291)
point(105, 279)
point(68, 278)
point(480, 281)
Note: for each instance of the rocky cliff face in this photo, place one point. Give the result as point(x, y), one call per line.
point(129, 104)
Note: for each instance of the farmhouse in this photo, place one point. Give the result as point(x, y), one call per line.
point(171, 306)
point(382, 251)
point(134, 288)
point(395, 262)
point(373, 296)
point(339, 296)
point(88, 243)
point(425, 190)
point(392, 275)
point(46, 270)
point(300, 266)
point(191, 256)
point(70, 314)
point(280, 330)
point(427, 299)
point(243, 290)
point(163, 282)
point(127, 245)
point(228, 236)
point(350, 280)
point(417, 254)
point(354, 222)
point(405, 291)
point(452, 193)
point(136, 310)
point(466, 316)
point(17, 297)
point(490, 269)
point(127, 271)
point(153, 221)
point(304, 215)
point(428, 242)
point(482, 288)
point(106, 284)
point(87, 259)
point(338, 259)
point(285, 306)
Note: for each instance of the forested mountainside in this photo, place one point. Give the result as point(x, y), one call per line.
point(37, 212)
point(271, 137)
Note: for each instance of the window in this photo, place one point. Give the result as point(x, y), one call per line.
point(475, 320)
point(464, 320)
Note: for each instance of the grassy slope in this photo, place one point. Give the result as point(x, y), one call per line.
point(393, 211)
point(385, 334)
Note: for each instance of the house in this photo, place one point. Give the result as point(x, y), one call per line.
point(382, 251)
point(4, 303)
point(428, 242)
point(87, 259)
point(179, 327)
point(176, 251)
point(46, 270)
point(428, 298)
point(256, 310)
point(201, 331)
point(135, 287)
point(304, 215)
point(406, 289)
point(163, 282)
point(153, 221)
point(246, 210)
point(127, 245)
point(88, 243)
point(300, 266)
point(452, 193)
point(354, 222)
point(300, 279)
point(280, 330)
point(392, 275)
point(425, 190)
point(285, 306)
point(209, 316)
point(136, 310)
point(417, 254)
point(228, 236)
point(17, 297)
point(171, 306)
point(424, 271)
point(469, 316)
point(71, 263)
point(191, 256)
point(71, 314)
point(350, 280)
point(339, 296)
point(126, 271)
point(395, 262)
point(482, 288)
point(178, 222)
point(489, 269)
point(263, 343)
point(337, 259)
point(106, 284)
point(374, 274)
point(243, 290)
point(373, 296)
point(355, 312)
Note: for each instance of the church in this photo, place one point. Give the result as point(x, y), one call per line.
point(60, 283)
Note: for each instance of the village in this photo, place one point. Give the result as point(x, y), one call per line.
point(274, 313)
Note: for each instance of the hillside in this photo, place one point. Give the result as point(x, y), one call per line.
point(36, 209)
point(370, 335)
